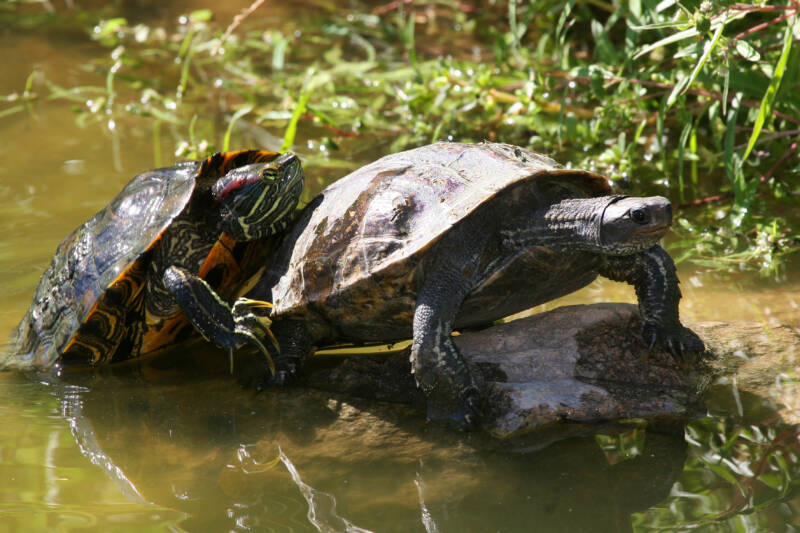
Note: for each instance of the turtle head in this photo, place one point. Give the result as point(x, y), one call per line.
point(257, 200)
point(630, 224)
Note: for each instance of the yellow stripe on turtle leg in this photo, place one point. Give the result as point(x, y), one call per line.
point(255, 327)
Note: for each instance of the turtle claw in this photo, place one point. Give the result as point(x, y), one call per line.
point(254, 328)
point(651, 338)
point(678, 340)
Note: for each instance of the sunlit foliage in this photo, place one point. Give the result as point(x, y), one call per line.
point(699, 101)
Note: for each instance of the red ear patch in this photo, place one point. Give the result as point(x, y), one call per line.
point(226, 188)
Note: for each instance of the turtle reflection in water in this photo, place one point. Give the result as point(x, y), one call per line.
point(449, 236)
point(104, 298)
point(204, 449)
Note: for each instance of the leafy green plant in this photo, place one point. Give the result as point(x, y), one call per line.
point(694, 100)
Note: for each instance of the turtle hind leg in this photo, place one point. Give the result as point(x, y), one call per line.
point(214, 318)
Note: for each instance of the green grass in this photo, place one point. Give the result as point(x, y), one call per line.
point(696, 101)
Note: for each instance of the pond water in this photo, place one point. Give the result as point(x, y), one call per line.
point(145, 449)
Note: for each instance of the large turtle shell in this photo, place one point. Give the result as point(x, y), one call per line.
point(358, 243)
point(94, 286)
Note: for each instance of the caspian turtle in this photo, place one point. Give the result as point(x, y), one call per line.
point(450, 236)
point(103, 298)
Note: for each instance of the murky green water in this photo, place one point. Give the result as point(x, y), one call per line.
point(155, 450)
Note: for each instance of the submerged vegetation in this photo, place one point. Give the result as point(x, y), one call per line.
point(735, 476)
point(699, 101)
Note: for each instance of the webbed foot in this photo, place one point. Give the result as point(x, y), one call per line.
point(463, 414)
point(678, 340)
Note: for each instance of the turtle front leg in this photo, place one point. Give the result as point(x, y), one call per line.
point(439, 369)
point(652, 273)
point(214, 318)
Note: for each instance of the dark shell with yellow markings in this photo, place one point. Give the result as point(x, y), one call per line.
point(98, 302)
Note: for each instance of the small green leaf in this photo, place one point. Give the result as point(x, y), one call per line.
point(201, 15)
point(747, 51)
point(677, 90)
point(692, 50)
point(279, 52)
point(107, 27)
point(675, 37)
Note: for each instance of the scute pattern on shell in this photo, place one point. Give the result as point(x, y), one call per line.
point(96, 254)
point(394, 209)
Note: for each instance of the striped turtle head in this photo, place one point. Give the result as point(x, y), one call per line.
point(630, 224)
point(258, 200)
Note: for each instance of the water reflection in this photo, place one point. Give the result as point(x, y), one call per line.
point(181, 449)
point(306, 460)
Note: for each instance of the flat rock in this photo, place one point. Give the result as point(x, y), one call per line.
point(582, 363)
point(587, 363)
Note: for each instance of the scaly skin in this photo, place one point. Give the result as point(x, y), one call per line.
point(652, 273)
point(337, 277)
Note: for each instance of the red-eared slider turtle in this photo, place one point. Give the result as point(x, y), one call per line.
point(450, 236)
point(103, 298)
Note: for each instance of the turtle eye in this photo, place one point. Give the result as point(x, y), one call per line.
point(268, 174)
point(640, 215)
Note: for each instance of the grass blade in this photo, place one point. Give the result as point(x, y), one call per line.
point(681, 153)
point(726, 87)
point(769, 96)
point(226, 142)
point(708, 48)
point(291, 129)
point(656, 26)
point(732, 166)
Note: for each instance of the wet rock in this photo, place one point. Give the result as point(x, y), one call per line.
point(587, 363)
point(582, 363)
point(757, 360)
